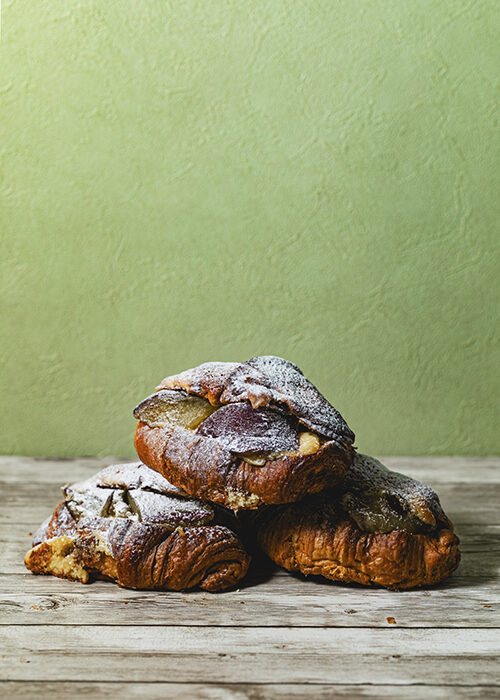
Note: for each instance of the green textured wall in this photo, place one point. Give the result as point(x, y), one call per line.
point(185, 181)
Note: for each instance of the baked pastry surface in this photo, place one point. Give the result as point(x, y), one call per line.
point(243, 434)
point(130, 525)
point(377, 528)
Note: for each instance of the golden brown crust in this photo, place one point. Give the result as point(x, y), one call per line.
point(79, 543)
point(299, 539)
point(210, 467)
point(263, 381)
point(318, 537)
point(203, 468)
point(207, 380)
point(268, 380)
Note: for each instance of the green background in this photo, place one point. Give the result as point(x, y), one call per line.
point(190, 181)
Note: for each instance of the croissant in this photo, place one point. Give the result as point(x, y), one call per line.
point(243, 434)
point(130, 525)
point(378, 528)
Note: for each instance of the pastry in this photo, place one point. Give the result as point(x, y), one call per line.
point(130, 525)
point(243, 434)
point(378, 527)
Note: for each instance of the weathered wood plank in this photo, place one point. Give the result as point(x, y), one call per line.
point(285, 601)
point(47, 470)
point(270, 596)
point(232, 654)
point(440, 470)
point(276, 628)
point(24, 690)
point(281, 599)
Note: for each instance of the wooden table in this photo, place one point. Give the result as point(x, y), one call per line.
point(277, 636)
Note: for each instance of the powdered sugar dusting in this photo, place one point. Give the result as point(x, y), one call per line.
point(266, 379)
point(134, 492)
point(158, 509)
point(207, 380)
point(262, 381)
point(136, 476)
point(241, 429)
point(382, 500)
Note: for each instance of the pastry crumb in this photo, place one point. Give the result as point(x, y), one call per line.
point(238, 500)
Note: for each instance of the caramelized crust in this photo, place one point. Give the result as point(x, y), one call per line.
point(207, 380)
point(263, 381)
point(268, 379)
point(203, 468)
point(208, 465)
point(318, 537)
point(141, 547)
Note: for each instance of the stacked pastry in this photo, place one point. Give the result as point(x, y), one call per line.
point(254, 436)
point(130, 525)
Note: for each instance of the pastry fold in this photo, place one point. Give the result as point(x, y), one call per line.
point(130, 525)
point(305, 444)
point(378, 528)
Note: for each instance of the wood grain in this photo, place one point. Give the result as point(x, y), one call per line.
point(271, 638)
point(55, 604)
point(269, 597)
point(272, 654)
point(27, 690)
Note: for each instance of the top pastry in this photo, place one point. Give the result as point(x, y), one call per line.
point(243, 434)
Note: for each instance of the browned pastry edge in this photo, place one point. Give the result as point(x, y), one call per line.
point(263, 381)
point(203, 469)
point(200, 382)
point(301, 537)
point(136, 555)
